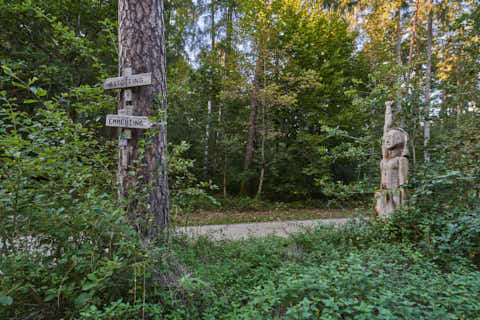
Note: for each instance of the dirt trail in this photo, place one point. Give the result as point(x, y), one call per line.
point(260, 229)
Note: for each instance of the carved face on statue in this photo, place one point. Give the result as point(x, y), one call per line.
point(395, 141)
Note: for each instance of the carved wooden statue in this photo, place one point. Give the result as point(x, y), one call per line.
point(394, 167)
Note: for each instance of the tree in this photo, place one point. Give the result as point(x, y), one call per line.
point(142, 48)
point(62, 44)
point(428, 80)
point(260, 42)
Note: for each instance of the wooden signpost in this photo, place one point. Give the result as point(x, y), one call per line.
point(136, 80)
point(142, 175)
point(122, 121)
point(125, 118)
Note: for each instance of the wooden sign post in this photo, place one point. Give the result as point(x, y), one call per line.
point(128, 81)
point(125, 118)
point(142, 174)
point(133, 122)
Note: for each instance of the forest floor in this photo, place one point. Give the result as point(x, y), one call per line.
point(202, 218)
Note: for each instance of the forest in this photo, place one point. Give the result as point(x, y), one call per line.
point(270, 105)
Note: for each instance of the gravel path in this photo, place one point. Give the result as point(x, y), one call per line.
point(260, 229)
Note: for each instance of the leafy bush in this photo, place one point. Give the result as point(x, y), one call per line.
point(379, 283)
point(186, 192)
point(326, 273)
point(65, 244)
point(444, 223)
point(62, 235)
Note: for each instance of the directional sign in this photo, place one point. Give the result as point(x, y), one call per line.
point(114, 120)
point(135, 80)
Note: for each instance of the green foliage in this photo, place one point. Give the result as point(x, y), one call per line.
point(185, 191)
point(373, 285)
point(319, 123)
point(60, 227)
point(64, 45)
point(64, 239)
point(332, 274)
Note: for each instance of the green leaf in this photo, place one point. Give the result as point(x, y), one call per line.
point(41, 92)
point(92, 276)
point(17, 84)
point(89, 286)
point(82, 299)
point(5, 300)
point(50, 297)
point(38, 91)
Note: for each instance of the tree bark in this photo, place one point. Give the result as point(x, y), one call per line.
point(228, 39)
point(211, 100)
point(264, 135)
point(142, 48)
point(428, 82)
point(398, 53)
point(225, 171)
point(227, 52)
point(262, 152)
point(207, 140)
point(356, 10)
point(412, 43)
point(458, 75)
point(252, 122)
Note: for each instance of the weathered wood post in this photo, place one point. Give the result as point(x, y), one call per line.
point(141, 36)
point(393, 167)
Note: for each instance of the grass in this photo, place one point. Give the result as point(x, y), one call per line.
point(231, 217)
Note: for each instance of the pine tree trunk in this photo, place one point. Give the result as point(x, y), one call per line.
point(264, 135)
point(443, 107)
point(142, 48)
point(356, 10)
point(398, 53)
point(225, 168)
point(458, 75)
point(229, 35)
point(211, 100)
point(428, 82)
point(412, 43)
point(262, 153)
point(252, 123)
point(207, 140)
point(227, 66)
point(409, 72)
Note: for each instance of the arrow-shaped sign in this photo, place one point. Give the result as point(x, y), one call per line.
point(135, 80)
point(114, 120)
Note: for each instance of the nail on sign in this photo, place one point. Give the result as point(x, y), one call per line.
point(114, 120)
point(136, 80)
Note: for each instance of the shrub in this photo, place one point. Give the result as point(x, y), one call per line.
point(65, 245)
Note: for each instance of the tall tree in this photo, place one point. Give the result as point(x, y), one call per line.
point(252, 120)
point(428, 81)
point(412, 42)
point(228, 65)
point(211, 98)
point(142, 48)
point(260, 43)
point(398, 53)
